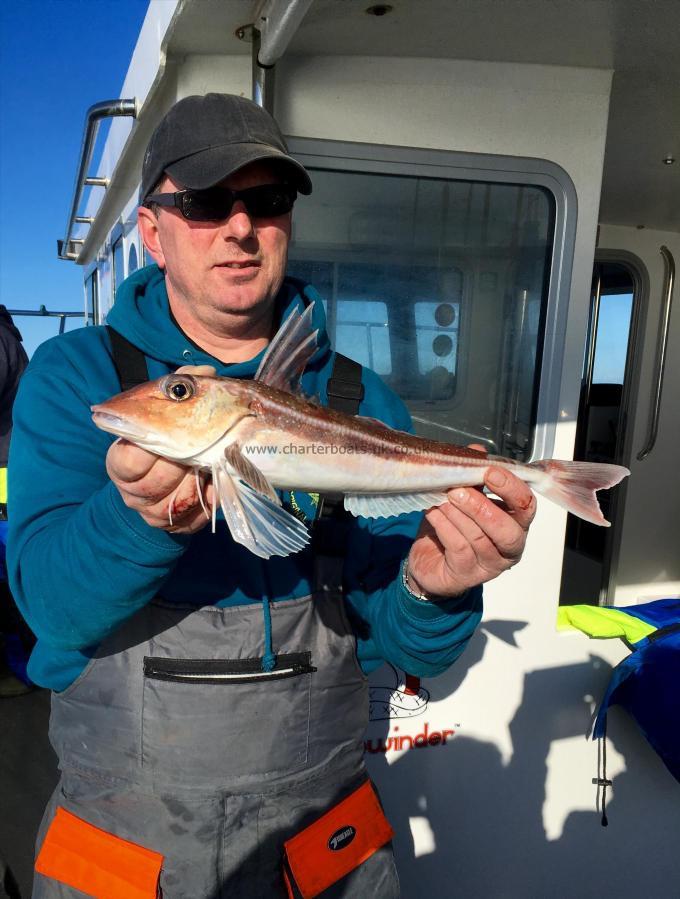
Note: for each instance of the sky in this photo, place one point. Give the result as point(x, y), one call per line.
point(57, 58)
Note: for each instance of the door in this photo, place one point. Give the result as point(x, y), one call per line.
point(587, 573)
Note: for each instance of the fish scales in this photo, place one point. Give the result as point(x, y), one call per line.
point(299, 445)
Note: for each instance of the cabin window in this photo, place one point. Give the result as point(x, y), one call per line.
point(611, 347)
point(92, 299)
point(587, 573)
point(361, 330)
point(132, 259)
point(118, 264)
point(320, 274)
point(441, 286)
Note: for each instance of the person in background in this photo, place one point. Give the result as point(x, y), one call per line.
point(209, 706)
point(16, 641)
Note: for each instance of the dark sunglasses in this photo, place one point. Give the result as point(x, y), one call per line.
point(216, 203)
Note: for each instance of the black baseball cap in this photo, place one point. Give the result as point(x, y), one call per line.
point(203, 139)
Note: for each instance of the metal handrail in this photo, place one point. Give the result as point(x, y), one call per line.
point(93, 117)
point(276, 22)
point(669, 265)
point(42, 312)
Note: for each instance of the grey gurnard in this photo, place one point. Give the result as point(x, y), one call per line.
point(260, 435)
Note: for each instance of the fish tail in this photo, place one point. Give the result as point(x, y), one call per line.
point(573, 485)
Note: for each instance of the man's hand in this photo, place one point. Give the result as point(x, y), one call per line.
point(472, 539)
point(147, 482)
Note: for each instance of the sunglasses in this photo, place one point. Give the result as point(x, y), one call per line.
point(215, 203)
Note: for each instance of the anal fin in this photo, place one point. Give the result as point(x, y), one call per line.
point(385, 505)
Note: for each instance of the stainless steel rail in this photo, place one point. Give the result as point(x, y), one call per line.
point(97, 112)
point(264, 78)
point(669, 265)
point(42, 312)
point(275, 24)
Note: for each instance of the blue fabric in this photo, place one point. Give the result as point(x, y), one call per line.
point(659, 611)
point(646, 685)
point(646, 682)
point(80, 562)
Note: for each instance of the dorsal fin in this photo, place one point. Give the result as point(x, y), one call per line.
point(290, 350)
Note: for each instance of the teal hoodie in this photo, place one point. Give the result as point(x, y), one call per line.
point(81, 562)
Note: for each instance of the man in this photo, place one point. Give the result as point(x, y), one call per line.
point(15, 639)
point(172, 732)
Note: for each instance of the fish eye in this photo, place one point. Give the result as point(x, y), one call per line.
point(179, 388)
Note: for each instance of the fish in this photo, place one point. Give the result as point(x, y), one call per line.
point(258, 436)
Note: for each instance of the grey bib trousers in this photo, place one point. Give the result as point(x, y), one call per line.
point(175, 738)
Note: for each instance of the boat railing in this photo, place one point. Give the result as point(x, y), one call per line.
point(42, 312)
point(69, 247)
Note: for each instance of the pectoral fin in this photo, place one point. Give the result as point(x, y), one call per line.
point(384, 505)
point(255, 521)
point(247, 472)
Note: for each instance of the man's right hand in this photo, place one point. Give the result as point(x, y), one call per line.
point(147, 482)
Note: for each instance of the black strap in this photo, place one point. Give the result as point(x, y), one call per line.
point(345, 390)
point(129, 360)
point(663, 632)
point(331, 524)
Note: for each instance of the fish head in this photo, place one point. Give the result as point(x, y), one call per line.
point(177, 416)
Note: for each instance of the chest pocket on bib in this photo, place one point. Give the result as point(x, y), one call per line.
point(226, 717)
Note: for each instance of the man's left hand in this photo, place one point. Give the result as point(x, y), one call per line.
point(472, 538)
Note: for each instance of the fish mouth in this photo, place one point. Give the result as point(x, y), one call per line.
point(121, 427)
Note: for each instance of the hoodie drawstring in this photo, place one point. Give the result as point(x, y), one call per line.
point(268, 659)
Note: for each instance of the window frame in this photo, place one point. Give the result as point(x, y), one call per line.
point(91, 283)
point(342, 156)
point(132, 248)
point(117, 237)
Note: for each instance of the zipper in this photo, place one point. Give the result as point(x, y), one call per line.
point(227, 671)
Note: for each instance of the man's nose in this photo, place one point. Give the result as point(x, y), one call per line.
point(239, 224)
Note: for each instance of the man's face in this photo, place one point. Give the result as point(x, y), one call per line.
point(236, 265)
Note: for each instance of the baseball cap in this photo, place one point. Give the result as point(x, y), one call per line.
point(203, 139)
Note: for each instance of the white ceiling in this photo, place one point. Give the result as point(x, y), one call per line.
point(638, 39)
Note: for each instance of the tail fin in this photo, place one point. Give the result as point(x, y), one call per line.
point(572, 485)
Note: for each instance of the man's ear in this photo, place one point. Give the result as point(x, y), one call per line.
point(148, 228)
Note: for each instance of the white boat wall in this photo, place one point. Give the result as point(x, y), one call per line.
point(486, 772)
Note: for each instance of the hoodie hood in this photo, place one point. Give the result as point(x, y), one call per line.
point(141, 313)
point(7, 324)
